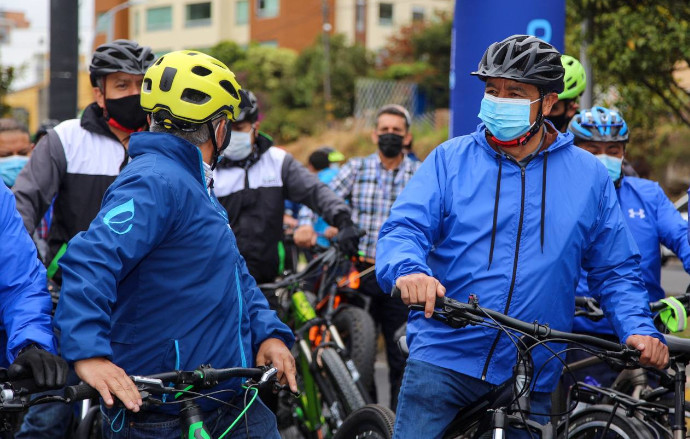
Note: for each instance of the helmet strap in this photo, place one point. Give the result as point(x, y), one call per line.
point(536, 126)
point(216, 152)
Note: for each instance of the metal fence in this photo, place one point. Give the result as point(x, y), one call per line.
point(372, 94)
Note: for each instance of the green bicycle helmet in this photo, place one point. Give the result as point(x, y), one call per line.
point(575, 78)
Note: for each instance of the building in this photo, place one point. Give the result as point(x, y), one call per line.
point(30, 104)
point(167, 25)
point(11, 20)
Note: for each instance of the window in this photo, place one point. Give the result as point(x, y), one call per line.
point(359, 16)
point(198, 14)
point(385, 14)
point(102, 22)
point(417, 13)
point(267, 8)
point(269, 43)
point(159, 18)
point(136, 23)
point(242, 12)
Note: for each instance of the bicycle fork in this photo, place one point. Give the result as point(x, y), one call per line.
point(678, 425)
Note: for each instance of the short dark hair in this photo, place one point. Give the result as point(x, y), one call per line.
point(397, 110)
point(319, 160)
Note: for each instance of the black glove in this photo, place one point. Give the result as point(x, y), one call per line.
point(348, 239)
point(47, 370)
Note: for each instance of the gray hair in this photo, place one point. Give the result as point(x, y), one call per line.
point(196, 137)
point(9, 124)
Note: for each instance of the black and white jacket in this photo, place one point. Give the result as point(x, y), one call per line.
point(74, 163)
point(253, 192)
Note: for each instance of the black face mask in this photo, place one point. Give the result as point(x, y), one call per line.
point(560, 122)
point(390, 144)
point(125, 113)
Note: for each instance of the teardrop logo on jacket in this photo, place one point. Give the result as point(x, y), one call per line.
point(119, 218)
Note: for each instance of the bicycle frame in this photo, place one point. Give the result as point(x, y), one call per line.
point(499, 415)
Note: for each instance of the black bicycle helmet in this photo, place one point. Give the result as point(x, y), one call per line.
point(526, 59)
point(249, 111)
point(120, 56)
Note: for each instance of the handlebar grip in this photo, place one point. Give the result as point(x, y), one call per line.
point(81, 392)
point(395, 292)
point(27, 386)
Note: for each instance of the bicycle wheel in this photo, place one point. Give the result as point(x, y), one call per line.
point(339, 378)
point(356, 328)
point(591, 423)
point(369, 422)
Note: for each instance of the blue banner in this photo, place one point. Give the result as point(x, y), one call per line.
point(476, 25)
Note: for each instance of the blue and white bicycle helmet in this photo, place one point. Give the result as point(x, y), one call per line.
point(599, 124)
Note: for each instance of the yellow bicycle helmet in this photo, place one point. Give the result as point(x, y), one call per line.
point(192, 86)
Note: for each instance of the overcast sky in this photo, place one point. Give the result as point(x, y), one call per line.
point(26, 43)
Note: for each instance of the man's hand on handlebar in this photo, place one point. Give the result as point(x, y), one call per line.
point(104, 376)
point(420, 289)
point(652, 351)
point(47, 370)
point(273, 351)
point(304, 236)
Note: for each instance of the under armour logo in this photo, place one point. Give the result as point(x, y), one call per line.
point(640, 213)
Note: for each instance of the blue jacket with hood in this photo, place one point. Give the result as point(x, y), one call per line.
point(24, 300)
point(156, 283)
point(515, 237)
point(652, 220)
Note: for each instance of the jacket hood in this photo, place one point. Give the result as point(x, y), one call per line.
point(170, 146)
point(92, 120)
point(562, 140)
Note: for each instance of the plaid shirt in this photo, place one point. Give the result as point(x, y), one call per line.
point(371, 191)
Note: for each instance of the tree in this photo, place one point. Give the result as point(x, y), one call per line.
point(420, 52)
point(347, 64)
point(6, 77)
point(636, 49)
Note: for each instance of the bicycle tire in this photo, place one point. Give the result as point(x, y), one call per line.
point(90, 426)
point(339, 377)
point(369, 422)
point(356, 328)
point(591, 422)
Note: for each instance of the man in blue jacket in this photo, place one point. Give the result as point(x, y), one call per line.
point(649, 214)
point(509, 213)
point(26, 333)
point(156, 283)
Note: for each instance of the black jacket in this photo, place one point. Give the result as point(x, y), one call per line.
point(253, 192)
point(74, 163)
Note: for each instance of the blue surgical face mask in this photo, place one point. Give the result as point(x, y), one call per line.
point(613, 165)
point(506, 119)
point(239, 147)
point(10, 167)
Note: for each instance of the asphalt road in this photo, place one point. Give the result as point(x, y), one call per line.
point(674, 280)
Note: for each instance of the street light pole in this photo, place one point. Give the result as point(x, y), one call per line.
point(328, 104)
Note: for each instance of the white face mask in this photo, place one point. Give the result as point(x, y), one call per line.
point(239, 147)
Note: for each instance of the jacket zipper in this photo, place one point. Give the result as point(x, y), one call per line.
point(515, 265)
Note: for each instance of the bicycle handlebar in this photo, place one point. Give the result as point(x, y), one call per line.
point(453, 312)
point(205, 377)
point(592, 309)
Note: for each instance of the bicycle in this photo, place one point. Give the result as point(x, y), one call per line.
point(630, 408)
point(338, 300)
point(507, 406)
point(329, 379)
point(179, 384)
point(15, 395)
